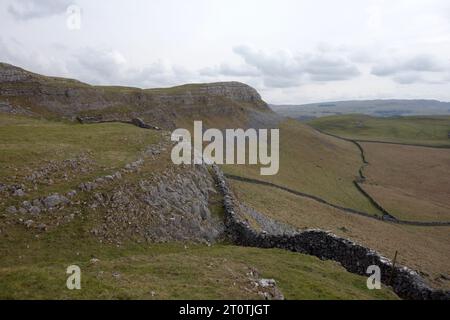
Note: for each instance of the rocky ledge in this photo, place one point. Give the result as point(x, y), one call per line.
point(22, 90)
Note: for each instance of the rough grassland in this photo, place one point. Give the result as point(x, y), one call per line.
point(28, 144)
point(412, 183)
point(422, 248)
point(432, 130)
point(33, 263)
point(35, 269)
point(314, 163)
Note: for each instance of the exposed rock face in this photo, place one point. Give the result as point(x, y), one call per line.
point(158, 107)
point(173, 206)
point(10, 73)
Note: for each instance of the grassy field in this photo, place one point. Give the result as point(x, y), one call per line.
point(412, 183)
point(415, 130)
point(422, 248)
point(315, 163)
point(29, 144)
point(33, 268)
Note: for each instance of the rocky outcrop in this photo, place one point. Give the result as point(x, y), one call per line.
point(138, 122)
point(160, 107)
point(172, 206)
point(10, 73)
point(405, 282)
point(173, 203)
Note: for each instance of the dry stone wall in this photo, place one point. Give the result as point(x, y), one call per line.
point(355, 258)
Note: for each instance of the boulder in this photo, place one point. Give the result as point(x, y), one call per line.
point(71, 193)
point(19, 193)
point(26, 205)
point(34, 210)
point(11, 210)
point(54, 200)
point(265, 283)
point(28, 223)
point(36, 203)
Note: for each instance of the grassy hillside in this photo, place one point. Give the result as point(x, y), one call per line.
point(410, 182)
point(415, 130)
point(317, 164)
point(422, 248)
point(34, 261)
point(33, 268)
point(29, 144)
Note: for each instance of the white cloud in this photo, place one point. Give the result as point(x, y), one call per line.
point(365, 48)
point(32, 9)
point(226, 69)
point(96, 66)
point(109, 66)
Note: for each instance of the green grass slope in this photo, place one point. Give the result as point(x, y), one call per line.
point(33, 262)
point(314, 163)
point(28, 144)
point(33, 268)
point(426, 249)
point(426, 130)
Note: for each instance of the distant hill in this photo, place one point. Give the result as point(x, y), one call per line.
point(379, 108)
point(217, 104)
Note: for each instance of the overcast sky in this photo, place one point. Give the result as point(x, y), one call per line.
point(292, 51)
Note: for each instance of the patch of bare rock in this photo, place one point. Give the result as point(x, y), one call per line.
point(171, 206)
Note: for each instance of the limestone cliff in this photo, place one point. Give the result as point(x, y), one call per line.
point(219, 103)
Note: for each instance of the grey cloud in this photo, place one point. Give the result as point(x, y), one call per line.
point(226, 69)
point(95, 66)
point(281, 82)
point(14, 52)
point(420, 68)
point(280, 63)
point(31, 9)
point(420, 63)
point(111, 67)
point(283, 69)
point(101, 64)
point(408, 78)
point(5, 53)
point(329, 69)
